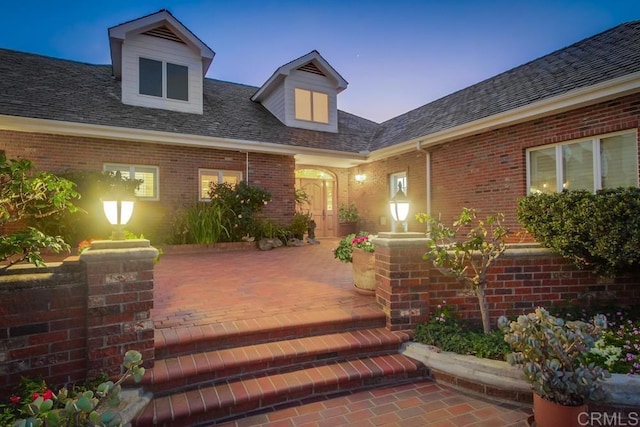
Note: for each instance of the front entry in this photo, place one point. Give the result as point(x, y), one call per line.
point(319, 187)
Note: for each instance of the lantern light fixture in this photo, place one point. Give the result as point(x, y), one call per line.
point(399, 206)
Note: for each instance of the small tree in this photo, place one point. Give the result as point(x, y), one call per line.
point(28, 195)
point(467, 260)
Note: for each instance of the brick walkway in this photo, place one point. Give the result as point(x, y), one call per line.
point(238, 289)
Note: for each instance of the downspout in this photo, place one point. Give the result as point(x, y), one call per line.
point(428, 174)
point(246, 166)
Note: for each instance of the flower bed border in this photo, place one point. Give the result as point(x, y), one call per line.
point(498, 379)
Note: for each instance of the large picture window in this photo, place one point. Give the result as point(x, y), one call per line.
point(602, 162)
point(148, 190)
point(311, 106)
point(206, 177)
point(163, 79)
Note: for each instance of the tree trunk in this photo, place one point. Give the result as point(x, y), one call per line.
point(484, 308)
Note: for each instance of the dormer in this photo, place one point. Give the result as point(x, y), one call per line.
point(303, 93)
point(160, 62)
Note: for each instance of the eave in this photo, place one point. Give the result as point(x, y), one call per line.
point(305, 155)
point(571, 100)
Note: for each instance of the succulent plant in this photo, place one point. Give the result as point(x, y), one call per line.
point(553, 355)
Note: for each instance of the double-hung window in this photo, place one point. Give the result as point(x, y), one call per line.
point(163, 79)
point(148, 189)
point(311, 106)
point(206, 177)
point(592, 164)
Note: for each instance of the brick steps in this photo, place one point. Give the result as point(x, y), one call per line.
point(172, 342)
point(207, 368)
point(207, 405)
point(207, 374)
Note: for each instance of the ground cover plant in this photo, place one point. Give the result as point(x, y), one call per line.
point(449, 333)
point(35, 405)
point(617, 350)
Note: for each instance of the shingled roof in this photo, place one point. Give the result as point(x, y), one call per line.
point(47, 88)
point(605, 56)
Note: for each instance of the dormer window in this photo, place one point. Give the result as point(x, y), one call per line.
point(163, 79)
point(311, 106)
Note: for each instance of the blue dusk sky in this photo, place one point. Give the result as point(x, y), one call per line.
point(396, 55)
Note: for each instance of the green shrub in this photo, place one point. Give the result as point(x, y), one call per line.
point(599, 231)
point(240, 205)
point(30, 196)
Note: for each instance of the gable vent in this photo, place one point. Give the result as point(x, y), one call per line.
point(311, 68)
point(164, 32)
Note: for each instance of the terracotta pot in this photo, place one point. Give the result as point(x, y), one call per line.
point(551, 414)
point(364, 272)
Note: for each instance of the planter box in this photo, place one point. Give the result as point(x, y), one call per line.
point(497, 378)
point(216, 247)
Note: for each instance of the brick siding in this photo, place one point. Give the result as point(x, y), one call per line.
point(178, 169)
point(486, 171)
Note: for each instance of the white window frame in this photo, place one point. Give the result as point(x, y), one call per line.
point(597, 172)
point(131, 170)
point(312, 105)
point(165, 81)
point(220, 173)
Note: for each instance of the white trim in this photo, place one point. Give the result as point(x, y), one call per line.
point(27, 124)
point(119, 33)
point(220, 173)
point(285, 70)
point(595, 141)
point(590, 95)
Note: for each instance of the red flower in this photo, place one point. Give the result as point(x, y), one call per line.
point(34, 396)
point(15, 399)
point(47, 395)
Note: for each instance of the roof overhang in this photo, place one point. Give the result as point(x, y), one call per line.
point(310, 156)
point(281, 73)
point(571, 100)
point(119, 33)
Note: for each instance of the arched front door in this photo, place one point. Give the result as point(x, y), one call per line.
point(319, 186)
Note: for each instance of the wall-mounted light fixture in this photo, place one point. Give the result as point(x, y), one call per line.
point(399, 206)
point(360, 177)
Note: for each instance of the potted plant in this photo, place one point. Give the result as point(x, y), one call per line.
point(358, 250)
point(348, 217)
point(554, 356)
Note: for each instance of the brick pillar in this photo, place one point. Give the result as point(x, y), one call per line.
point(119, 301)
point(402, 279)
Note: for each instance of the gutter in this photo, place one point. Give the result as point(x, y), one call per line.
point(577, 98)
point(27, 124)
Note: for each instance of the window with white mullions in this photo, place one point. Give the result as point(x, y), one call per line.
point(148, 189)
point(207, 177)
point(592, 164)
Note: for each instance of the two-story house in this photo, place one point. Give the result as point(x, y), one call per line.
point(569, 119)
